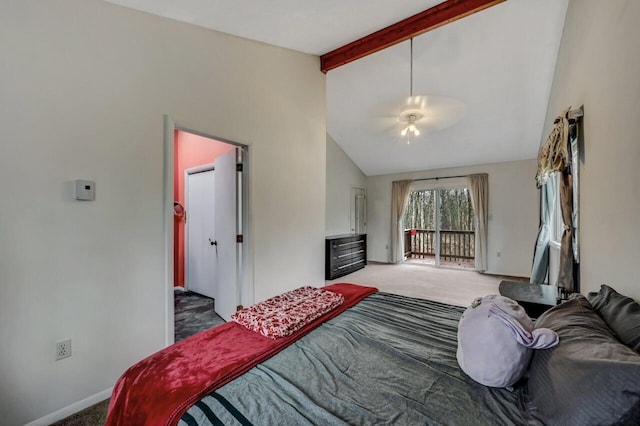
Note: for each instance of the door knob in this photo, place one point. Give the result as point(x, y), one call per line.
point(213, 243)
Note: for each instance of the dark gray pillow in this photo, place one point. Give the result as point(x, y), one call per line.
point(621, 313)
point(590, 378)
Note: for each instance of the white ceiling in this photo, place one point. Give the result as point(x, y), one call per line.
point(498, 63)
point(310, 26)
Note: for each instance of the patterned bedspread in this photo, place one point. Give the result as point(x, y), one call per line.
point(283, 315)
point(388, 360)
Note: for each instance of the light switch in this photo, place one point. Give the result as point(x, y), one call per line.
point(85, 190)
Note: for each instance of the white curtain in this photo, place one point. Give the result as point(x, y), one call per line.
point(479, 191)
point(399, 195)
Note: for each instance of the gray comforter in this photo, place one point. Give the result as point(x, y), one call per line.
point(388, 360)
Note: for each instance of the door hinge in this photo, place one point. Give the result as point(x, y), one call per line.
point(239, 308)
point(239, 238)
point(238, 167)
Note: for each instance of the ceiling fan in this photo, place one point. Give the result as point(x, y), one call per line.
point(424, 114)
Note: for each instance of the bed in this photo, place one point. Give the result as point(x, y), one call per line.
point(389, 359)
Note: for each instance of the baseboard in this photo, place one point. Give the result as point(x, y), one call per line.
point(71, 409)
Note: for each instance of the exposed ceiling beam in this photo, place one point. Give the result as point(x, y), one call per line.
point(441, 14)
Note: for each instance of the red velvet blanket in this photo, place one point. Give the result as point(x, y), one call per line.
point(159, 389)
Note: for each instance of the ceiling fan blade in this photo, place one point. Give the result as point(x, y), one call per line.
point(384, 123)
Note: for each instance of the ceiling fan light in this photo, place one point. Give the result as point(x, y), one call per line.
point(412, 127)
point(404, 132)
point(416, 132)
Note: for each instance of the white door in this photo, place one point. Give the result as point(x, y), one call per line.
point(226, 215)
point(200, 232)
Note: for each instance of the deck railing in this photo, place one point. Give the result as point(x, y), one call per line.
point(454, 245)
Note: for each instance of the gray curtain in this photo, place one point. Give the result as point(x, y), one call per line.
point(559, 157)
point(399, 195)
point(547, 210)
point(479, 191)
point(565, 274)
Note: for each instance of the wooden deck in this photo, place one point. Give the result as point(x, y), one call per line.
point(457, 248)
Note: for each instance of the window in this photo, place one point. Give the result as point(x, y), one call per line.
point(557, 229)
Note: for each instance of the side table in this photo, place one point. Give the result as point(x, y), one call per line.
point(534, 298)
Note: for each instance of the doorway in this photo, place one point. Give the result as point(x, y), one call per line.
point(358, 210)
point(440, 228)
point(206, 229)
point(210, 193)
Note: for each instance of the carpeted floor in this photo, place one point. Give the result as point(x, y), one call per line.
point(452, 286)
point(95, 415)
point(193, 314)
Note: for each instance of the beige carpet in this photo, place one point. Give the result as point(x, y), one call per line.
point(452, 286)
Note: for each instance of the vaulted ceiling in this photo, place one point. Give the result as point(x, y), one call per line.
point(486, 77)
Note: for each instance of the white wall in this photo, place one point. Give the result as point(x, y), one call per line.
point(513, 213)
point(598, 66)
point(342, 174)
point(84, 86)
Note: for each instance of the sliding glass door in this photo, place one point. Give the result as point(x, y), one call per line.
point(440, 227)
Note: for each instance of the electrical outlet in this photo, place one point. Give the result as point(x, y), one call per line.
point(63, 349)
point(498, 254)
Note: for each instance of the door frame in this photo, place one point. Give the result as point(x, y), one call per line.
point(192, 170)
point(245, 285)
point(353, 207)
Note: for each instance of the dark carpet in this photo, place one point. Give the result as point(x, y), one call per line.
point(193, 313)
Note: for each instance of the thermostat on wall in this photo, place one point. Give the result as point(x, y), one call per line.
point(85, 190)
